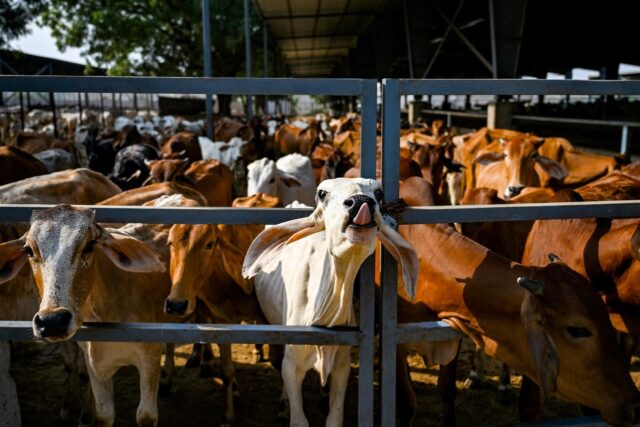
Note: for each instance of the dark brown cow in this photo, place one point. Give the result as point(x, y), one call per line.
point(546, 322)
point(16, 164)
point(182, 145)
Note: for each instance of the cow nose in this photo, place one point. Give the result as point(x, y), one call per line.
point(53, 324)
point(356, 210)
point(513, 190)
point(176, 307)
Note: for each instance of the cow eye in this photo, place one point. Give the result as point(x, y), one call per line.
point(378, 195)
point(322, 195)
point(272, 180)
point(27, 250)
point(579, 332)
point(209, 245)
point(89, 247)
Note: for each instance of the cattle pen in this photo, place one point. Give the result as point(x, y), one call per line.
point(363, 335)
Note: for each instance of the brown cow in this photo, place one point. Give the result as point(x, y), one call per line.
point(546, 322)
point(16, 164)
point(328, 162)
point(291, 139)
point(516, 166)
point(206, 263)
point(182, 145)
point(33, 143)
point(142, 195)
point(211, 178)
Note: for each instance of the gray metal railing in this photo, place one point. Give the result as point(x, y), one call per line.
point(391, 332)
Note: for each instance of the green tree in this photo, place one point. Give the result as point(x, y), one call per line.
point(15, 16)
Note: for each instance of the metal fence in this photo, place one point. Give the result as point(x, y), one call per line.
point(363, 335)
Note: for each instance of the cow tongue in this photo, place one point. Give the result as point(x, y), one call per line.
point(364, 216)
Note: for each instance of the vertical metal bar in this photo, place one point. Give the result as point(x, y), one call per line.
point(624, 142)
point(80, 107)
point(407, 35)
point(494, 52)
point(21, 111)
point(113, 102)
point(206, 47)
point(135, 102)
point(367, 273)
point(247, 48)
point(102, 108)
point(265, 60)
point(389, 276)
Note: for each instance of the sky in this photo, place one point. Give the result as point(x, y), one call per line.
point(40, 42)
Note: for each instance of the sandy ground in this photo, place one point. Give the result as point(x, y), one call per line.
point(194, 401)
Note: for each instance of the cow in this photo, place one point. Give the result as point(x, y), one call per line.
point(209, 177)
point(57, 159)
point(182, 145)
point(227, 153)
point(290, 178)
point(130, 169)
point(546, 322)
point(303, 272)
point(139, 196)
point(16, 164)
point(36, 142)
point(348, 142)
point(328, 162)
point(206, 263)
point(85, 272)
point(290, 139)
point(515, 167)
point(19, 298)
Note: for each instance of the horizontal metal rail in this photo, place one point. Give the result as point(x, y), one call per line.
point(187, 333)
point(183, 85)
point(426, 331)
point(414, 215)
point(517, 87)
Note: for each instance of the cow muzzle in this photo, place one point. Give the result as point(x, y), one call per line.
point(53, 325)
point(361, 226)
point(176, 307)
point(513, 190)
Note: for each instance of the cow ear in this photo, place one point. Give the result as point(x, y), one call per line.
point(129, 254)
point(404, 254)
point(541, 345)
point(267, 246)
point(538, 143)
point(289, 180)
point(551, 167)
point(488, 158)
point(12, 258)
point(232, 259)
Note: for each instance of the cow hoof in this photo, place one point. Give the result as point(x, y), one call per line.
point(165, 389)
point(206, 371)
point(283, 413)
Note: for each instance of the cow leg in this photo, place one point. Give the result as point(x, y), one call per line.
point(230, 383)
point(477, 372)
point(447, 389)
point(339, 382)
point(166, 381)
point(504, 384)
point(293, 374)
point(9, 408)
point(150, 370)
point(103, 395)
point(276, 354)
point(195, 356)
point(206, 360)
point(76, 401)
point(258, 353)
point(405, 395)
point(530, 404)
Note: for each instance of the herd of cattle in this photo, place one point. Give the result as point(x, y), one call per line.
point(555, 300)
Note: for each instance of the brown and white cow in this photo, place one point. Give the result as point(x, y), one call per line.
point(546, 322)
point(85, 272)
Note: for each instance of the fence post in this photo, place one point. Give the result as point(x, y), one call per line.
point(206, 42)
point(52, 105)
point(21, 111)
point(389, 276)
point(624, 142)
point(247, 48)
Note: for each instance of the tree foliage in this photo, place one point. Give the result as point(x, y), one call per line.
point(15, 16)
point(150, 37)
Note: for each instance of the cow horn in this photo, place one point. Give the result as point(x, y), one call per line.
point(148, 163)
point(181, 153)
point(536, 287)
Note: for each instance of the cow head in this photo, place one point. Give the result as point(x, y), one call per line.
point(61, 247)
point(348, 212)
point(166, 170)
point(572, 344)
point(520, 156)
point(264, 177)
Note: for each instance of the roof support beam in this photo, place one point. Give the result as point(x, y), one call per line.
point(444, 39)
point(319, 15)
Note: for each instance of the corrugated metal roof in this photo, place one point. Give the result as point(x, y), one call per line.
point(314, 35)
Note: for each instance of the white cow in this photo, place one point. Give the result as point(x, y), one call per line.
point(225, 152)
point(290, 178)
point(303, 273)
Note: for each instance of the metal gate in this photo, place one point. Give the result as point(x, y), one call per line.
point(363, 335)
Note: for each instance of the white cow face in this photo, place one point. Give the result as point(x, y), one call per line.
point(348, 210)
point(60, 246)
point(264, 177)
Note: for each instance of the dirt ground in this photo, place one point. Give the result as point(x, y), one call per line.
point(194, 401)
